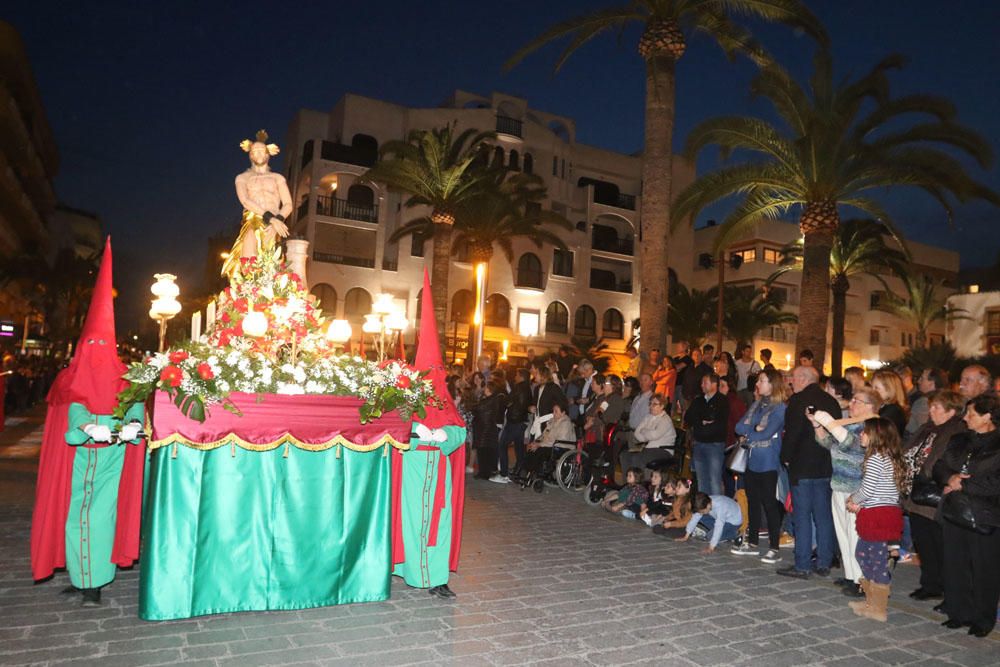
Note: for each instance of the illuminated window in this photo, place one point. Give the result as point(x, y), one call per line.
point(993, 323)
point(772, 256)
point(748, 255)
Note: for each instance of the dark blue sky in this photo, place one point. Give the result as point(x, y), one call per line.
point(148, 101)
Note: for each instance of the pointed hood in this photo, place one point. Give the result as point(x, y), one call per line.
point(429, 359)
point(94, 375)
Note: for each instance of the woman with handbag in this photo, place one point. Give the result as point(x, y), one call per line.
point(843, 439)
point(922, 451)
point(969, 474)
point(760, 430)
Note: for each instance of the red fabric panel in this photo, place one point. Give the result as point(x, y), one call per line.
point(457, 460)
point(311, 419)
point(398, 552)
point(126, 546)
point(52, 494)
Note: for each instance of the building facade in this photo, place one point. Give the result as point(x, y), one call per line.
point(547, 297)
point(977, 332)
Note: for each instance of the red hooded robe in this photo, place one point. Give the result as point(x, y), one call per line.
point(93, 379)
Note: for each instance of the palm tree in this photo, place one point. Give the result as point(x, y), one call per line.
point(667, 26)
point(747, 314)
point(860, 246)
point(831, 151)
point(439, 169)
point(922, 306)
point(690, 315)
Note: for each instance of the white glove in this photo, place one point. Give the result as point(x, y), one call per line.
point(826, 420)
point(129, 432)
point(424, 433)
point(98, 433)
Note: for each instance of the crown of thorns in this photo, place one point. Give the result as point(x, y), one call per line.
point(261, 138)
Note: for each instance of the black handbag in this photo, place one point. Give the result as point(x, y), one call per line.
point(925, 492)
point(969, 512)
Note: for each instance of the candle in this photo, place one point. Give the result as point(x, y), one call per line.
point(210, 314)
point(196, 327)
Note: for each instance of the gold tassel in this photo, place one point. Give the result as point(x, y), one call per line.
point(338, 451)
point(285, 455)
point(232, 448)
point(385, 450)
point(173, 454)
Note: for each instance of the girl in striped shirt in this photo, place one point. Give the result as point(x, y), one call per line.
point(879, 516)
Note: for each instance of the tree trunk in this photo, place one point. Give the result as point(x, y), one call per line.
point(840, 288)
point(440, 266)
point(814, 307)
point(656, 199)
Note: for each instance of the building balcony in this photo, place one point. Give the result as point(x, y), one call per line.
point(530, 280)
point(602, 281)
point(606, 239)
point(335, 207)
point(390, 265)
point(329, 258)
point(512, 127)
point(615, 199)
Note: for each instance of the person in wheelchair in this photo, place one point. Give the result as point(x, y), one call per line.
point(606, 409)
point(653, 439)
point(541, 453)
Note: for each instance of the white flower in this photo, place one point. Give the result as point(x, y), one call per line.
point(299, 374)
point(289, 389)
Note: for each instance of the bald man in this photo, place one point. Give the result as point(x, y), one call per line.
point(975, 381)
point(809, 472)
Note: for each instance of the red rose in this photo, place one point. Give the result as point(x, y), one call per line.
point(178, 356)
point(172, 376)
point(237, 330)
point(205, 371)
point(226, 319)
point(403, 382)
point(224, 338)
point(240, 305)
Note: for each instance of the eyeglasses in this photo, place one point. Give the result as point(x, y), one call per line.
point(858, 400)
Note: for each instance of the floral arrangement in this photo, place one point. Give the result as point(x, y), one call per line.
point(198, 376)
point(268, 338)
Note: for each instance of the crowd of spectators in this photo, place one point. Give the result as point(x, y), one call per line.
point(25, 382)
point(860, 472)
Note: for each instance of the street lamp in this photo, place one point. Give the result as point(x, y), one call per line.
point(338, 333)
point(165, 306)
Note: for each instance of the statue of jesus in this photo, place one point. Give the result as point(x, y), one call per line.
point(266, 204)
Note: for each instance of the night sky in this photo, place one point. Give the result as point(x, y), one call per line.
point(148, 101)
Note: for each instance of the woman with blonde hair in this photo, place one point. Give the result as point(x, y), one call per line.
point(889, 387)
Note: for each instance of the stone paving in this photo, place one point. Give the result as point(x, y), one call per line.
point(544, 580)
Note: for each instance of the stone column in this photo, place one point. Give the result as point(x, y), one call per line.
point(297, 251)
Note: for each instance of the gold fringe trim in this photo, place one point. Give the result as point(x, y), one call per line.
point(287, 439)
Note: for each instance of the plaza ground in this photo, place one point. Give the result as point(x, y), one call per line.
point(544, 579)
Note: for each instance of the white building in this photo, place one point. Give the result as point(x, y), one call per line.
point(980, 334)
point(591, 291)
point(548, 296)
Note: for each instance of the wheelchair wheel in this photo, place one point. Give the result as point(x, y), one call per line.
point(571, 473)
point(538, 486)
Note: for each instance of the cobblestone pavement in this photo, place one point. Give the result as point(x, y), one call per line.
point(544, 580)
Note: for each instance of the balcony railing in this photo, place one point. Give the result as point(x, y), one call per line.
point(390, 265)
point(342, 208)
point(623, 286)
point(618, 200)
point(621, 246)
point(530, 279)
point(342, 259)
point(507, 125)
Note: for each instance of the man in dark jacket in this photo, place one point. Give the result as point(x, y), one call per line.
point(517, 419)
point(544, 395)
point(707, 418)
point(692, 376)
point(809, 472)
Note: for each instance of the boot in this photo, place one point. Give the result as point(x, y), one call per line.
point(860, 607)
point(91, 597)
point(878, 595)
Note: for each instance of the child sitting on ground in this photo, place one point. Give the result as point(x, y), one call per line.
point(719, 514)
point(679, 492)
point(655, 510)
point(630, 497)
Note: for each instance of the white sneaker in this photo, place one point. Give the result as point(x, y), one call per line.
point(772, 556)
point(469, 469)
point(499, 479)
point(744, 549)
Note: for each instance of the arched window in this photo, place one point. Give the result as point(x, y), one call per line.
point(498, 157)
point(514, 161)
point(613, 324)
point(529, 164)
point(529, 271)
point(585, 322)
point(497, 311)
point(365, 149)
point(462, 306)
point(361, 195)
point(357, 303)
point(556, 318)
point(327, 297)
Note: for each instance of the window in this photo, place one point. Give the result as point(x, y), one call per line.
point(555, 166)
point(748, 255)
point(585, 322)
point(779, 294)
point(556, 318)
point(417, 244)
point(497, 157)
point(529, 271)
point(562, 262)
point(877, 300)
point(357, 303)
point(529, 163)
point(361, 195)
point(327, 297)
point(563, 169)
point(993, 323)
point(772, 256)
point(497, 311)
point(462, 306)
point(613, 325)
point(879, 337)
point(514, 163)
point(936, 339)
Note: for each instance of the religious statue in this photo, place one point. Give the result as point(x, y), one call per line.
point(266, 204)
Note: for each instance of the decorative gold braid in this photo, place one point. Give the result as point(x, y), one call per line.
point(288, 439)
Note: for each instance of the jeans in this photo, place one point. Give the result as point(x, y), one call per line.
point(730, 531)
point(512, 432)
point(708, 460)
point(811, 505)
